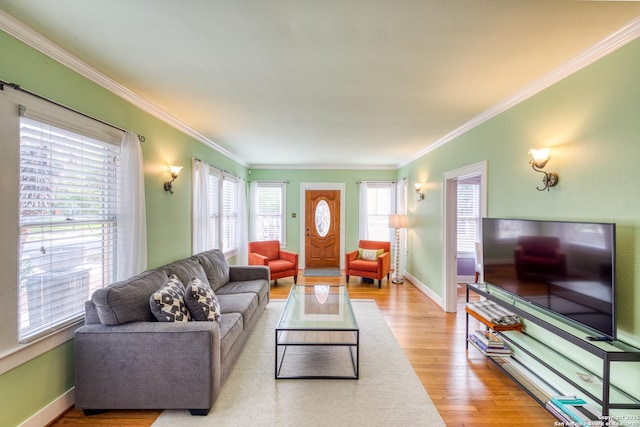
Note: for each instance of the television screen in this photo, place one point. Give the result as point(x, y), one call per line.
point(565, 267)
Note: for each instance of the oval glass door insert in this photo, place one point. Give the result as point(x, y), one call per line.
point(323, 218)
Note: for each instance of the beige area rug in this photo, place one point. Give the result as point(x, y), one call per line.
point(388, 392)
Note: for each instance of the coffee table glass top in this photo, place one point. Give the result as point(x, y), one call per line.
point(318, 307)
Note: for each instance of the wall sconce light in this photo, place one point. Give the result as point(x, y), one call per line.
point(539, 158)
point(418, 186)
point(174, 171)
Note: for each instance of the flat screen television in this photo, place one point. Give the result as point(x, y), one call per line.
point(565, 267)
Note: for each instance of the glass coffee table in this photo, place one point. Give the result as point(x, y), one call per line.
point(316, 316)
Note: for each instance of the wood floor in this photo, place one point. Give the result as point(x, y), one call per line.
point(465, 387)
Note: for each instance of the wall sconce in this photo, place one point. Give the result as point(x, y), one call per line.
point(174, 171)
point(539, 158)
point(418, 186)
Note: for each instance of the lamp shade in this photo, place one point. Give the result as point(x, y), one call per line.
point(398, 221)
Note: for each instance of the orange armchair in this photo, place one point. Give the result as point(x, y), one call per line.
point(281, 263)
point(357, 264)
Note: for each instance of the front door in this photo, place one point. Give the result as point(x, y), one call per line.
point(322, 229)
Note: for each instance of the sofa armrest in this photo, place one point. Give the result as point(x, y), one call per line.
point(240, 273)
point(257, 259)
point(349, 257)
point(289, 256)
point(384, 262)
point(136, 365)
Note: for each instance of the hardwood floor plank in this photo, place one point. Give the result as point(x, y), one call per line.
point(467, 389)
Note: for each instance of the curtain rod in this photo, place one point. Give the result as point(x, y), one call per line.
point(377, 182)
point(35, 95)
point(195, 159)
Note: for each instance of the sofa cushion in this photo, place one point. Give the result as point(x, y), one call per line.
point(362, 265)
point(167, 303)
point(128, 300)
point(245, 304)
point(201, 301)
point(279, 265)
point(246, 286)
point(215, 267)
point(231, 327)
point(186, 269)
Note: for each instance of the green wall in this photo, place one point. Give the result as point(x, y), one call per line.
point(590, 119)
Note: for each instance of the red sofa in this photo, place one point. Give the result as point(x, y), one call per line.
point(281, 263)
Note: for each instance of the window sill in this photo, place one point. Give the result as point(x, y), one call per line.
point(23, 353)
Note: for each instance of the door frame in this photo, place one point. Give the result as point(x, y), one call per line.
point(304, 186)
point(450, 218)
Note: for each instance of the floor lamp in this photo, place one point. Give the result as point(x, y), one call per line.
point(398, 222)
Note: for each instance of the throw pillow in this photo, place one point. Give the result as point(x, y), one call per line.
point(167, 303)
point(202, 301)
point(369, 254)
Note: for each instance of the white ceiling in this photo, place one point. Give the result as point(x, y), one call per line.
point(342, 83)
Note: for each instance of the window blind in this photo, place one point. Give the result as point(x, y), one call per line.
point(380, 204)
point(268, 222)
point(468, 217)
point(230, 213)
point(68, 213)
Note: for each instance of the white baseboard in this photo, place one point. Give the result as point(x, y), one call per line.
point(466, 279)
point(52, 411)
point(425, 289)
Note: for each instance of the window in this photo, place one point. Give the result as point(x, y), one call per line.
point(229, 226)
point(468, 216)
point(223, 211)
point(268, 211)
point(67, 212)
point(380, 204)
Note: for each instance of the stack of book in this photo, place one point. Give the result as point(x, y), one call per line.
point(489, 343)
point(574, 411)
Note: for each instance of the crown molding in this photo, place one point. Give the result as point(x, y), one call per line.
point(609, 44)
point(35, 40)
point(324, 167)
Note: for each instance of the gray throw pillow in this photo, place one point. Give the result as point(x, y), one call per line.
point(202, 301)
point(167, 303)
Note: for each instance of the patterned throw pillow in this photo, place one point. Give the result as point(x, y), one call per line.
point(202, 301)
point(167, 303)
point(369, 254)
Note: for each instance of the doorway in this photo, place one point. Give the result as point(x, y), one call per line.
point(322, 229)
point(450, 247)
point(325, 251)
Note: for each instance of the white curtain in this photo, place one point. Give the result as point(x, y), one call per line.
point(253, 203)
point(201, 216)
point(132, 217)
point(363, 212)
point(242, 238)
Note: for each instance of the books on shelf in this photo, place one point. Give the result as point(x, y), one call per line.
point(574, 411)
point(493, 315)
point(489, 343)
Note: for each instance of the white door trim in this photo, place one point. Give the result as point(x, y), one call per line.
point(304, 186)
point(450, 252)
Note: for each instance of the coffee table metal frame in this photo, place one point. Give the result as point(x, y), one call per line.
point(303, 323)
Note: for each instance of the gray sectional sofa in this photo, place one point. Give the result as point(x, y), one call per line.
point(126, 359)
